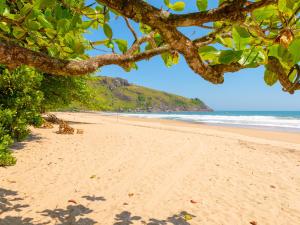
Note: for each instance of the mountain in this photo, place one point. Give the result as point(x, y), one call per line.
point(117, 94)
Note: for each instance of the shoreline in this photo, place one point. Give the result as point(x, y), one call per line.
point(148, 171)
point(281, 135)
point(257, 127)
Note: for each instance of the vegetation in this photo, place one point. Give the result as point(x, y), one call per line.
point(116, 94)
point(241, 34)
point(48, 35)
point(20, 103)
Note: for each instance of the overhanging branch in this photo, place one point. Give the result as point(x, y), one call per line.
point(13, 56)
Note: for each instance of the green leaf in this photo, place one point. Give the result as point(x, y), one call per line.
point(177, 6)
point(270, 77)
point(86, 24)
point(209, 53)
point(265, 13)
point(122, 45)
point(294, 49)
point(229, 56)
point(18, 32)
point(26, 9)
point(51, 33)
point(44, 22)
point(286, 6)
point(63, 26)
point(4, 27)
point(202, 5)
point(107, 31)
point(241, 37)
point(110, 44)
point(253, 57)
point(227, 42)
point(2, 6)
point(170, 59)
point(281, 53)
point(33, 25)
point(145, 29)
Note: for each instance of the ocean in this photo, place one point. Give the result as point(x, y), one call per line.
point(274, 120)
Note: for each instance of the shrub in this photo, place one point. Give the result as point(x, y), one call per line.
point(20, 102)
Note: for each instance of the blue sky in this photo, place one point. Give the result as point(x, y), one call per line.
point(244, 90)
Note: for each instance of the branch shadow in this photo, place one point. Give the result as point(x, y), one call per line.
point(8, 199)
point(18, 220)
point(71, 215)
point(126, 218)
point(75, 214)
point(9, 202)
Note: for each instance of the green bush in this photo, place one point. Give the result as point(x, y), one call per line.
point(65, 92)
point(20, 103)
point(24, 94)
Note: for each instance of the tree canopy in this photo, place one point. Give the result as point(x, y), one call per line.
point(48, 35)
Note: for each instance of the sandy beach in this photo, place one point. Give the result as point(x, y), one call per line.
point(124, 171)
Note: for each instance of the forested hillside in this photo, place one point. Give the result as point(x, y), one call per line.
point(116, 94)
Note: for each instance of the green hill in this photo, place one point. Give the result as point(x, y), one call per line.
point(116, 94)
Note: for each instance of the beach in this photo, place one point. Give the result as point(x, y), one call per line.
point(125, 171)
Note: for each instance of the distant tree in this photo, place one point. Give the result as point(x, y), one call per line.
point(47, 35)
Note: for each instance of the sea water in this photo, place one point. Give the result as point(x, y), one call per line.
point(279, 120)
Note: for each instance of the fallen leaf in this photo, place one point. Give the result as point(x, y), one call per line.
point(253, 223)
point(93, 176)
point(194, 202)
point(72, 201)
point(187, 217)
point(130, 194)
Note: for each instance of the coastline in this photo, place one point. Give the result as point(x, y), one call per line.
point(125, 170)
point(270, 134)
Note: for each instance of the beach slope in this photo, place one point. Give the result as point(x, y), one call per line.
point(139, 171)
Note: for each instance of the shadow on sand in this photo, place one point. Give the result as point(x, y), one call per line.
point(126, 218)
point(20, 145)
point(74, 214)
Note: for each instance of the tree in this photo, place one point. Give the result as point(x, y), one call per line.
point(47, 35)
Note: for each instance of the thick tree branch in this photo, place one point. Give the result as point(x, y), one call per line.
point(13, 56)
point(141, 11)
point(233, 11)
point(166, 25)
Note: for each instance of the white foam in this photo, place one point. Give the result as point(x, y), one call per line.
point(257, 121)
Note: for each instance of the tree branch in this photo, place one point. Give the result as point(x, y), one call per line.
point(131, 29)
point(227, 12)
point(13, 56)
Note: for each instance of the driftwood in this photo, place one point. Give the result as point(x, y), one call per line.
point(65, 128)
point(51, 118)
point(46, 124)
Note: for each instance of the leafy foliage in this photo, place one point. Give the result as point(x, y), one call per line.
point(46, 26)
point(61, 91)
point(57, 28)
point(19, 106)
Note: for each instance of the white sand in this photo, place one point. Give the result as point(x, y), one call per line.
point(136, 171)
